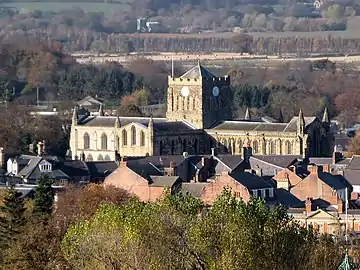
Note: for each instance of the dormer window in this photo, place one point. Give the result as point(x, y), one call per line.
point(45, 167)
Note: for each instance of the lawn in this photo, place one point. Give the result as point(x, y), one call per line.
point(58, 6)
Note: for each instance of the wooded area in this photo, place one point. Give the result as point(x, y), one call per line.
point(104, 228)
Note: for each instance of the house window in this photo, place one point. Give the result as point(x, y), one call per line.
point(104, 141)
point(237, 195)
point(255, 193)
point(142, 138)
point(44, 168)
point(86, 141)
point(263, 193)
point(124, 137)
point(271, 193)
point(267, 193)
point(133, 135)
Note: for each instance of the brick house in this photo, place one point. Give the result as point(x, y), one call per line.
point(244, 185)
point(145, 181)
point(315, 182)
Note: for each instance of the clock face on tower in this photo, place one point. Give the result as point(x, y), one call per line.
point(185, 91)
point(215, 91)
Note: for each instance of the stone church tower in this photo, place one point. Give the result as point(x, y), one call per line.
point(198, 97)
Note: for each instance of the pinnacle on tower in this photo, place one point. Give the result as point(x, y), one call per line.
point(101, 110)
point(301, 122)
point(117, 122)
point(326, 118)
point(75, 116)
point(151, 123)
point(247, 114)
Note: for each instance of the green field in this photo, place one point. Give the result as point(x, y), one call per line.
point(58, 6)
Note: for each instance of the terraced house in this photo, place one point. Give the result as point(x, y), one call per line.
point(198, 119)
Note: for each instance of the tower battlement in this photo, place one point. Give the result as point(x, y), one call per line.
point(196, 80)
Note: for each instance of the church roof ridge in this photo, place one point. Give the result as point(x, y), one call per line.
point(189, 124)
point(198, 71)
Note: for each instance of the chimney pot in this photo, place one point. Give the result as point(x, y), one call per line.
point(213, 151)
point(308, 205)
point(185, 154)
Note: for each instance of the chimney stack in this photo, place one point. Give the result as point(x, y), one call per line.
point(340, 206)
point(314, 169)
point(40, 148)
point(171, 169)
point(308, 205)
point(31, 148)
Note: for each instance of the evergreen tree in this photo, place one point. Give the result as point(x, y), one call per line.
point(44, 196)
point(11, 217)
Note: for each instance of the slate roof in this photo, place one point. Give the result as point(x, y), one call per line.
point(250, 126)
point(101, 169)
point(249, 180)
point(334, 181)
point(158, 161)
point(172, 126)
point(287, 199)
point(109, 121)
point(292, 125)
point(321, 160)
point(352, 176)
point(198, 72)
point(231, 161)
point(341, 142)
point(354, 163)
point(163, 181)
point(76, 168)
point(146, 171)
point(282, 161)
point(193, 189)
point(89, 101)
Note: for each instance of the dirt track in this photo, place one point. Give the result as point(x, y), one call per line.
point(185, 57)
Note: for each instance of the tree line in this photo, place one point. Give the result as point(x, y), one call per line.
point(106, 228)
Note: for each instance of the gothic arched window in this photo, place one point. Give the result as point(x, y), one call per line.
point(142, 138)
point(89, 157)
point(100, 158)
point(133, 135)
point(288, 148)
point(86, 141)
point(104, 141)
point(240, 146)
point(255, 147)
point(272, 147)
point(107, 158)
point(124, 137)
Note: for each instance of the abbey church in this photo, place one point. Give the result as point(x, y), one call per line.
point(198, 119)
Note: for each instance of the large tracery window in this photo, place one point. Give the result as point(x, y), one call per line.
point(104, 141)
point(86, 141)
point(133, 135)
